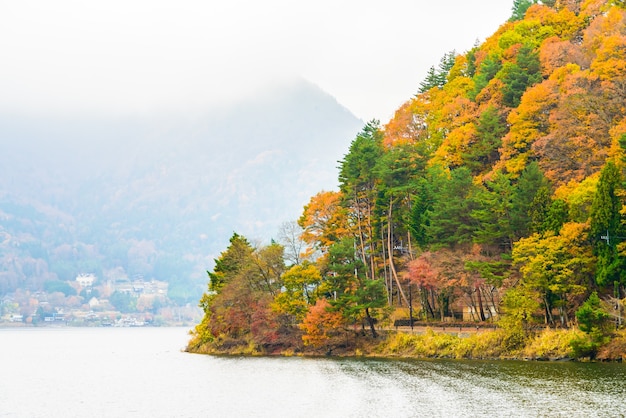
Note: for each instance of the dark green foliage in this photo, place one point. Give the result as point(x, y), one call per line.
point(399, 172)
point(445, 65)
point(607, 228)
point(451, 220)
point(557, 215)
point(521, 75)
point(399, 167)
point(519, 9)
point(488, 70)
point(348, 289)
point(230, 262)
point(52, 286)
point(490, 129)
point(594, 321)
point(606, 205)
point(356, 171)
point(344, 268)
point(431, 80)
point(610, 266)
point(590, 315)
point(425, 195)
point(538, 212)
point(530, 201)
point(366, 300)
point(494, 203)
point(493, 272)
point(123, 301)
point(438, 77)
point(420, 212)
point(358, 180)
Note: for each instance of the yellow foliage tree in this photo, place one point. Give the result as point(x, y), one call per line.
point(557, 266)
point(610, 59)
point(529, 122)
point(300, 284)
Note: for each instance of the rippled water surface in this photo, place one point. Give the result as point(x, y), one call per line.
point(141, 372)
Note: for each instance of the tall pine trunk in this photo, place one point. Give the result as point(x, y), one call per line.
point(480, 304)
point(370, 321)
point(392, 267)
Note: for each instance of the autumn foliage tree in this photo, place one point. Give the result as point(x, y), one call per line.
point(300, 290)
point(496, 193)
point(558, 267)
point(322, 326)
point(241, 289)
point(323, 222)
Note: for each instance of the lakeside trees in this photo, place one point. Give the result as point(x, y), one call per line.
point(497, 193)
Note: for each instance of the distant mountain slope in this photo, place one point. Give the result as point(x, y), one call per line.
point(160, 195)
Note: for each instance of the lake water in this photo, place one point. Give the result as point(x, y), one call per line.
point(141, 372)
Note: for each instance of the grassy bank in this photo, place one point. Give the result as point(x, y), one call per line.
point(497, 344)
point(548, 344)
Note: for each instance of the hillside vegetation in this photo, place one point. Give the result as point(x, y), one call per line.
point(496, 194)
point(156, 197)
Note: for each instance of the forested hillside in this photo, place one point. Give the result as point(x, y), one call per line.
point(156, 196)
point(496, 194)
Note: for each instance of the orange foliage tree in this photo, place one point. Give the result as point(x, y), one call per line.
point(323, 222)
point(321, 325)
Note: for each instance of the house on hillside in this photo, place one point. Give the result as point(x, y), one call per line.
point(139, 287)
point(86, 280)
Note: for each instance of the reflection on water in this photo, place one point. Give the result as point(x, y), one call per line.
point(143, 373)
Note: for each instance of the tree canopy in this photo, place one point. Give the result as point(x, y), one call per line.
point(497, 193)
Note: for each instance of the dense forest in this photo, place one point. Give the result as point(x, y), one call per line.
point(497, 194)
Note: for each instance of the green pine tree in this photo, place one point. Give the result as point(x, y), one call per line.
point(519, 9)
point(348, 289)
point(531, 199)
point(489, 132)
point(607, 228)
point(431, 80)
point(230, 262)
point(451, 220)
point(493, 214)
point(519, 76)
point(489, 67)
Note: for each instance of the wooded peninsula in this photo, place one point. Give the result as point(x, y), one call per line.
point(494, 198)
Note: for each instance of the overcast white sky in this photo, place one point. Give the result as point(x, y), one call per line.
point(136, 55)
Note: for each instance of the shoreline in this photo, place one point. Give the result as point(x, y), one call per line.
point(426, 343)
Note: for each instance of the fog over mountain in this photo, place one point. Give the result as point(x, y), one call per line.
point(159, 195)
